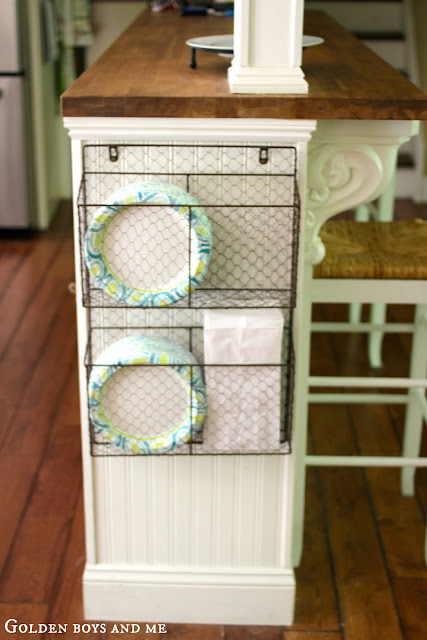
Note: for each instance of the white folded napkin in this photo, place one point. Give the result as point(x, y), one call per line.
point(244, 402)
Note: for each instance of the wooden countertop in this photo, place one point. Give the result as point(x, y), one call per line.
point(145, 73)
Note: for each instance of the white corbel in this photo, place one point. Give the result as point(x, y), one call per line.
point(349, 163)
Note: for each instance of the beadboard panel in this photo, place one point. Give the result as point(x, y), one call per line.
point(223, 511)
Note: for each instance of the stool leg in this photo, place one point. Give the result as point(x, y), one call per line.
point(375, 340)
point(355, 312)
point(383, 212)
point(355, 309)
point(361, 213)
point(414, 414)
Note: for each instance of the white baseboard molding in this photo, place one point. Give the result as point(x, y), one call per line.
point(188, 595)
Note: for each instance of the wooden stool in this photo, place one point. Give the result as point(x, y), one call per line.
point(377, 256)
point(374, 262)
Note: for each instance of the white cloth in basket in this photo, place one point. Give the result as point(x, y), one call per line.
point(243, 383)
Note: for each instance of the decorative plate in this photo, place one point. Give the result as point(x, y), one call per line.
point(225, 43)
point(146, 395)
point(137, 246)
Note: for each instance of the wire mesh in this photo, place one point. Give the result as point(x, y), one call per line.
point(253, 209)
point(145, 405)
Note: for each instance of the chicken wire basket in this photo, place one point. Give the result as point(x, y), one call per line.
point(230, 240)
point(165, 405)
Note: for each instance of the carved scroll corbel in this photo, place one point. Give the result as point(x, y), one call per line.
point(338, 178)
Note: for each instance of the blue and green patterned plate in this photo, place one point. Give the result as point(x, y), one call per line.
point(183, 386)
point(181, 212)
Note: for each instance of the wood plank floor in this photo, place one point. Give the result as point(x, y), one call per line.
point(362, 576)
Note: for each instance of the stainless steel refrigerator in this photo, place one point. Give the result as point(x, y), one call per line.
point(16, 182)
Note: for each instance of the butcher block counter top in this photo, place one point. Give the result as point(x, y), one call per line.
point(146, 73)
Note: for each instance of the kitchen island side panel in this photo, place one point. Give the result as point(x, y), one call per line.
point(182, 538)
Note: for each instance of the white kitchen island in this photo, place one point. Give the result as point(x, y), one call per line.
point(214, 538)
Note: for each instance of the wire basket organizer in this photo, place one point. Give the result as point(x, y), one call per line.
point(226, 237)
point(250, 197)
point(199, 409)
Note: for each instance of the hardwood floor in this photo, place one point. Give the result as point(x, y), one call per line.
point(362, 576)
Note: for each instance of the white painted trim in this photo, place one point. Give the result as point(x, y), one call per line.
point(267, 47)
point(277, 80)
point(374, 131)
point(190, 129)
point(355, 290)
point(364, 461)
point(241, 29)
point(82, 332)
point(358, 398)
point(362, 327)
point(198, 596)
point(302, 322)
point(368, 383)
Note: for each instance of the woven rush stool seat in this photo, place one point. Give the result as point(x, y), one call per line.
point(390, 250)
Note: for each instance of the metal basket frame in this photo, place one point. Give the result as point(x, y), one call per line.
point(118, 163)
point(206, 296)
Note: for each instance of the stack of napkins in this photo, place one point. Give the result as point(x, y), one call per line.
point(244, 384)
